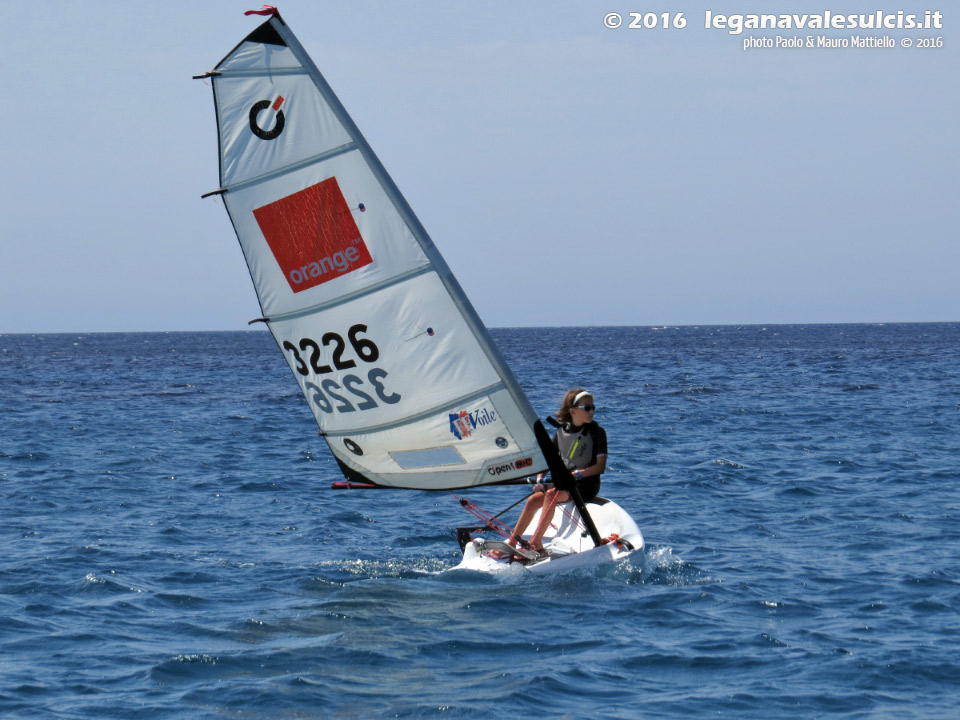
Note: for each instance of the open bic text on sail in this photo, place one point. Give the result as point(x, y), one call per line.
point(510, 467)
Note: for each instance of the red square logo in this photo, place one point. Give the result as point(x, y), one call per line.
point(313, 235)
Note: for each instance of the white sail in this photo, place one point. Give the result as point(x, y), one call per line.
point(403, 379)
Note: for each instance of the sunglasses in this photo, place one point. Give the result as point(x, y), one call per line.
point(585, 408)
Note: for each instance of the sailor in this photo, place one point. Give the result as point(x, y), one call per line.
point(583, 446)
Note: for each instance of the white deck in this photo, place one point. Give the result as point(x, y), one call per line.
point(566, 541)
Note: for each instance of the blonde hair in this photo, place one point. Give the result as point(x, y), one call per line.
point(563, 414)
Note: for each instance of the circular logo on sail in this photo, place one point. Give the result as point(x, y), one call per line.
point(278, 120)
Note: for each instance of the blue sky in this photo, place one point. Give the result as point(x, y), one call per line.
point(571, 174)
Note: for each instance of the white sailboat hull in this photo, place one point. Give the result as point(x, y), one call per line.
point(568, 545)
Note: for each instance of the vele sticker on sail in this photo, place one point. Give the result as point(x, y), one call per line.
point(313, 235)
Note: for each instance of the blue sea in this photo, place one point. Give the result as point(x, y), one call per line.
point(170, 547)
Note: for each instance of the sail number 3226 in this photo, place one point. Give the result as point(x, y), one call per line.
point(352, 392)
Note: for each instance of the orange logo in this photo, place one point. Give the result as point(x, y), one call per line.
point(313, 235)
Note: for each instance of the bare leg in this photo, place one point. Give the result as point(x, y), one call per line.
point(553, 497)
point(534, 503)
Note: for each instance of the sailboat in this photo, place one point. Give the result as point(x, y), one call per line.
point(407, 387)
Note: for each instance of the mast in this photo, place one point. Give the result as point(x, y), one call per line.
point(563, 479)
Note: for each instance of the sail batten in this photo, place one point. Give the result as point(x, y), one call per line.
point(403, 379)
point(347, 298)
point(264, 72)
point(292, 167)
